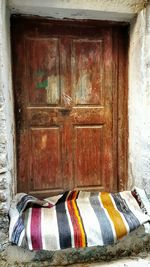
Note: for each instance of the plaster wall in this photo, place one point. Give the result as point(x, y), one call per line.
point(120, 10)
point(7, 155)
point(139, 102)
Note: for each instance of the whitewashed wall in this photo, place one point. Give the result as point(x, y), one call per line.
point(7, 155)
point(117, 10)
point(139, 101)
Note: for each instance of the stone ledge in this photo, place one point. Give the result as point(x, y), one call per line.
point(131, 245)
point(125, 262)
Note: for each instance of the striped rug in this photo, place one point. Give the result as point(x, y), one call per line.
point(76, 219)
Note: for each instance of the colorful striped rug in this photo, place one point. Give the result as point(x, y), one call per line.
point(76, 219)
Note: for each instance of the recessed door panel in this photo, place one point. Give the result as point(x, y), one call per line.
point(87, 67)
point(88, 153)
point(45, 159)
point(42, 70)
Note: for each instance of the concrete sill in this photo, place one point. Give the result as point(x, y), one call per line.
point(130, 246)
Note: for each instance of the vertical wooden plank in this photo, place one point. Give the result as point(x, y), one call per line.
point(65, 72)
point(122, 109)
point(19, 73)
point(108, 106)
point(115, 106)
point(66, 106)
point(67, 148)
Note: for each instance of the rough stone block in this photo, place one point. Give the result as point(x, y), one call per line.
point(3, 197)
point(4, 224)
point(2, 116)
point(3, 209)
point(3, 163)
point(3, 182)
point(2, 139)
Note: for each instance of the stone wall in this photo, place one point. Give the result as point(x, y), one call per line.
point(7, 155)
point(3, 176)
point(139, 102)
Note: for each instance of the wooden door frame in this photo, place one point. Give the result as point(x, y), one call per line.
point(120, 74)
point(122, 108)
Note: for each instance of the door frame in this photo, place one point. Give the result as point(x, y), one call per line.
point(120, 128)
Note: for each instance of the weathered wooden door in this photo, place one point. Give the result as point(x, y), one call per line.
point(66, 92)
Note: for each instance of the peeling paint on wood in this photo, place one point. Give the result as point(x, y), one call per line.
point(87, 71)
point(52, 88)
point(42, 84)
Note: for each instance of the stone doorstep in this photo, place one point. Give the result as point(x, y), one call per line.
point(130, 262)
point(123, 251)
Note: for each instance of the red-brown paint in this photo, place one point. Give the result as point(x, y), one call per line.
point(68, 81)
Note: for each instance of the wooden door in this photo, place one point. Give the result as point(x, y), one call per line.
point(66, 91)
